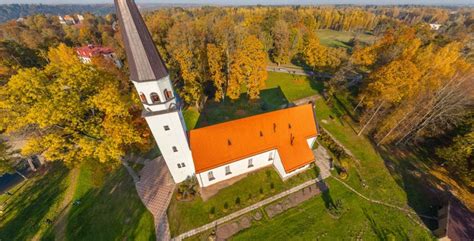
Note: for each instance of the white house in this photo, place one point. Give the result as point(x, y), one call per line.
point(281, 138)
point(435, 26)
point(86, 53)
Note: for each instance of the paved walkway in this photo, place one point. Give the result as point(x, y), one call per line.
point(288, 70)
point(155, 187)
point(324, 173)
point(322, 158)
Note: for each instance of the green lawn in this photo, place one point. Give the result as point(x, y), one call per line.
point(185, 215)
point(381, 185)
point(109, 208)
point(26, 212)
point(281, 88)
point(333, 38)
point(361, 221)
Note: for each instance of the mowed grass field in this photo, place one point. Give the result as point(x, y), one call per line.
point(333, 38)
point(361, 220)
point(108, 206)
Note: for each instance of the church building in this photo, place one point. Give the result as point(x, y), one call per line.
point(281, 138)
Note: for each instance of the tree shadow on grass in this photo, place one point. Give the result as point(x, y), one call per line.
point(422, 189)
point(111, 211)
point(381, 232)
point(227, 110)
point(325, 195)
point(26, 214)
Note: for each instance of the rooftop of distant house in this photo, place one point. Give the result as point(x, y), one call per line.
point(93, 50)
point(285, 130)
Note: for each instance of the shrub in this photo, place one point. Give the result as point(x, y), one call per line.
point(226, 206)
point(343, 175)
point(213, 210)
point(237, 201)
point(268, 173)
point(345, 163)
point(261, 190)
point(272, 185)
point(188, 189)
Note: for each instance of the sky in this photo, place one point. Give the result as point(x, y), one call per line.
point(253, 2)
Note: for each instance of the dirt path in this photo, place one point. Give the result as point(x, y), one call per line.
point(61, 222)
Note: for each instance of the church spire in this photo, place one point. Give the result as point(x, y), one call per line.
point(144, 61)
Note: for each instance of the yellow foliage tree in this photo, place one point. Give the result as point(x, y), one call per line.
point(71, 111)
point(216, 62)
point(320, 57)
point(249, 67)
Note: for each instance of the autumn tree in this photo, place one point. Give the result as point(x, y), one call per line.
point(70, 111)
point(248, 67)
point(8, 158)
point(389, 85)
point(215, 58)
point(459, 155)
point(188, 54)
point(320, 57)
point(281, 43)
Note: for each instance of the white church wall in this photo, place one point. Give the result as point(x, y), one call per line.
point(237, 168)
point(279, 165)
point(173, 144)
point(311, 142)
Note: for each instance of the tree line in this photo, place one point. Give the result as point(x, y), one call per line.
point(414, 83)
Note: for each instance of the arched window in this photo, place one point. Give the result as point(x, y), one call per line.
point(142, 97)
point(154, 98)
point(168, 94)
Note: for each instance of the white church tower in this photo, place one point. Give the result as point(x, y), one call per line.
point(162, 107)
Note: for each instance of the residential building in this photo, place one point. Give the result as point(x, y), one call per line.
point(435, 26)
point(86, 53)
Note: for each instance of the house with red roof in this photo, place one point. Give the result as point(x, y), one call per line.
point(86, 53)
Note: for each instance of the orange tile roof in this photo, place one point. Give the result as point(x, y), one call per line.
point(217, 145)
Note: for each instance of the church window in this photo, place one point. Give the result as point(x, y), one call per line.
point(168, 94)
point(210, 175)
point(175, 149)
point(154, 98)
point(179, 165)
point(227, 170)
point(270, 156)
point(250, 163)
point(167, 128)
point(142, 97)
point(182, 164)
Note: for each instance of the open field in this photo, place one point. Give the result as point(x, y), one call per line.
point(334, 38)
